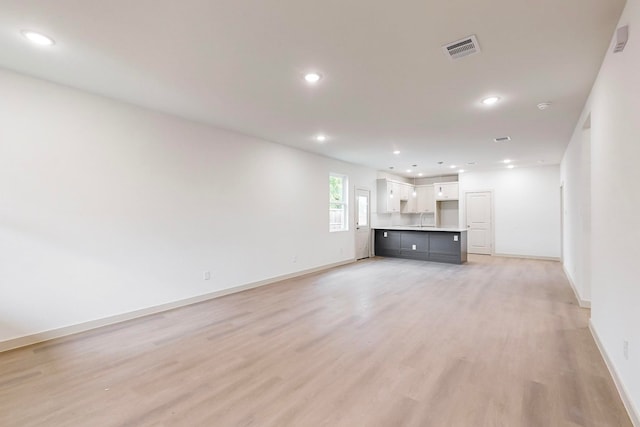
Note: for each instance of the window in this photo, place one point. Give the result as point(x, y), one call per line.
point(338, 196)
point(363, 211)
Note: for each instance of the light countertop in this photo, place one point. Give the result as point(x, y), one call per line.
point(423, 228)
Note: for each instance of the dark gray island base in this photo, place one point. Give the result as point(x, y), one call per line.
point(427, 244)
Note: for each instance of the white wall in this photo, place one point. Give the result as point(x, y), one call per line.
point(526, 208)
point(614, 106)
point(575, 177)
point(106, 208)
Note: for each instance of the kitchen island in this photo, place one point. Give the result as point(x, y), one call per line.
point(422, 243)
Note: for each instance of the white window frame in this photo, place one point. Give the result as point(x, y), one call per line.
point(344, 205)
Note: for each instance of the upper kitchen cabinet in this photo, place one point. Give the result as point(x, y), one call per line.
point(425, 199)
point(405, 191)
point(410, 206)
point(446, 191)
point(388, 196)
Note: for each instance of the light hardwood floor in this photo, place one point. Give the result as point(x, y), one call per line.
point(383, 342)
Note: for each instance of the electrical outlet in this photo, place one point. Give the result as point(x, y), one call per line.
point(625, 349)
point(206, 275)
point(413, 247)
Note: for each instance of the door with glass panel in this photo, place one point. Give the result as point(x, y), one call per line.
point(363, 226)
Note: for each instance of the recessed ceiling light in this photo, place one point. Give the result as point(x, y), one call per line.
point(471, 163)
point(490, 100)
point(37, 38)
point(312, 78)
point(408, 170)
point(460, 170)
point(453, 166)
point(396, 152)
point(321, 138)
point(506, 161)
point(511, 166)
point(420, 174)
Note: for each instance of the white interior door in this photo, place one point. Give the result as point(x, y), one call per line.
point(363, 226)
point(479, 222)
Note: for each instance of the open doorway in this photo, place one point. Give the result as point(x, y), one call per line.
point(585, 209)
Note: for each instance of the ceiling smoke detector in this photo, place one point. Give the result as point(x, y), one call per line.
point(544, 105)
point(502, 139)
point(461, 48)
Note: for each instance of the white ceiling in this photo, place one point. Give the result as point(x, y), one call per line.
point(386, 83)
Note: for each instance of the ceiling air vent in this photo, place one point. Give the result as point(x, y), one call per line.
point(502, 139)
point(622, 36)
point(461, 48)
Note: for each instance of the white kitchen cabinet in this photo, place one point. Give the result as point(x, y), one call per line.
point(388, 193)
point(446, 191)
point(425, 199)
point(405, 191)
point(411, 205)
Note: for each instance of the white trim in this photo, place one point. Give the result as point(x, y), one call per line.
point(562, 224)
point(542, 258)
point(633, 412)
point(581, 302)
point(93, 324)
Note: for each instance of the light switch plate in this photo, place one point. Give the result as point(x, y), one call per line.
point(413, 247)
point(455, 238)
point(384, 234)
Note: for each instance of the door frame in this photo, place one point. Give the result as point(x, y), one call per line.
point(562, 223)
point(493, 217)
point(355, 221)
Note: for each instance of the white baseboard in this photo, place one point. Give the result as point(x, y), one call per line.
point(93, 324)
point(582, 302)
point(633, 412)
point(543, 258)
